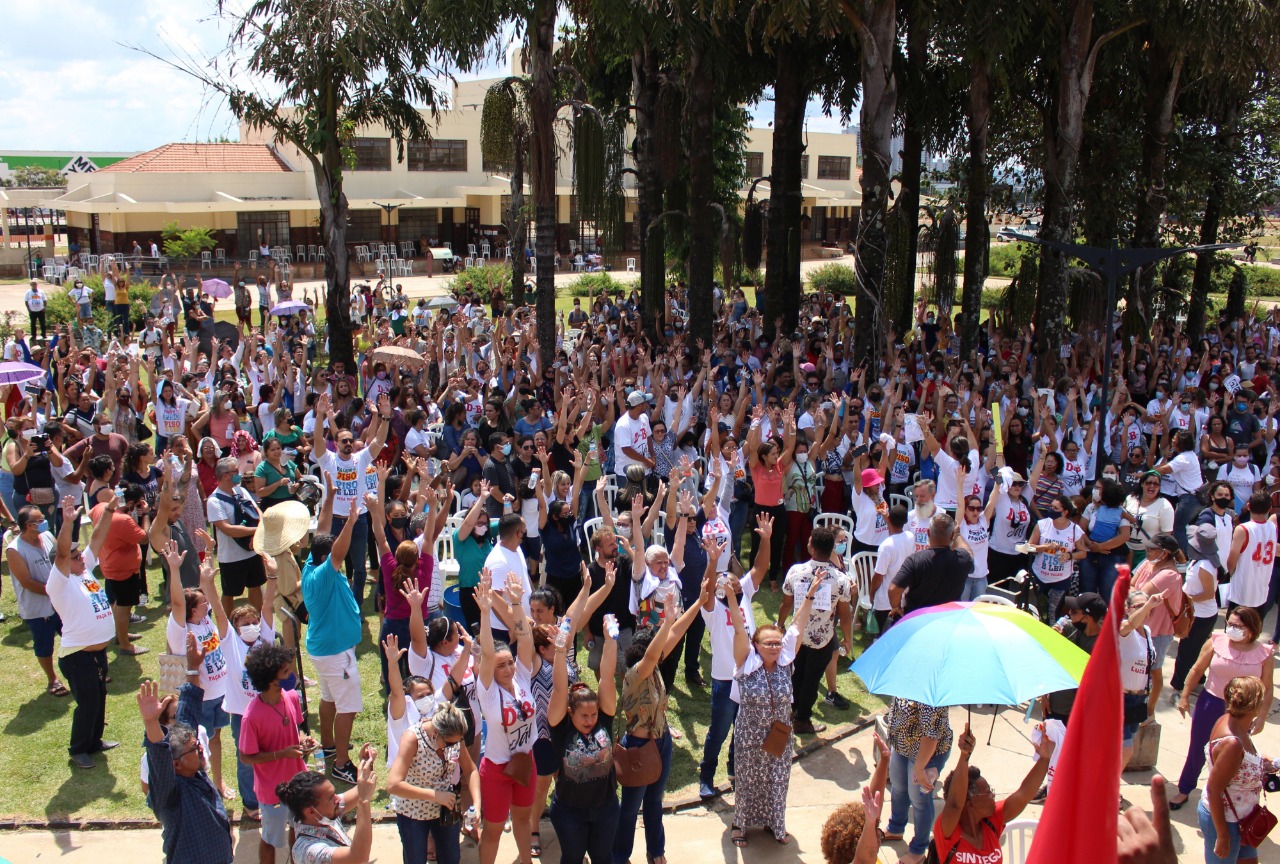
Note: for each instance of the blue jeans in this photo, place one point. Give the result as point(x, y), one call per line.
point(585, 831)
point(737, 524)
point(974, 588)
point(1186, 510)
point(10, 497)
point(650, 797)
point(357, 568)
point(399, 627)
point(908, 794)
point(413, 840)
point(244, 773)
point(723, 712)
point(1098, 573)
point(1237, 850)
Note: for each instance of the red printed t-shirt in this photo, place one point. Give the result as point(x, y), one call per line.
point(121, 555)
point(266, 729)
point(990, 829)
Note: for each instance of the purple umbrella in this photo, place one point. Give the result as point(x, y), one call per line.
point(15, 372)
point(215, 288)
point(290, 307)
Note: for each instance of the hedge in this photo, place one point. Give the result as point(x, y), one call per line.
point(834, 279)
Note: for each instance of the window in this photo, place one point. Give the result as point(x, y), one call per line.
point(755, 165)
point(834, 167)
point(419, 222)
point(437, 155)
point(804, 167)
point(255, 227)
point(491, 167)
point(372, 154)
point(364, 226)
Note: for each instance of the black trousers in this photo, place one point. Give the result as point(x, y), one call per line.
point(778, 541)
point(807, 673)
point(37, 318)
point(1189, 649)
point(86, 674)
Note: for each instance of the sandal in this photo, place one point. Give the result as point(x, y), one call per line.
point(783, 840)
point(1177, 805)
point(251, 815)
point(739, 838)
point(57, 688)
point(136, 650)
point(535, 845)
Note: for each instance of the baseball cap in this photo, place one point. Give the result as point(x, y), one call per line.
point(638, 398)
point(1089, 603)
point(1163, 541)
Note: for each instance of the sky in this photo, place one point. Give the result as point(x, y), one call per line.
point(70, 79)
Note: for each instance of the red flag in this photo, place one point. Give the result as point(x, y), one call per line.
point(1084, 803)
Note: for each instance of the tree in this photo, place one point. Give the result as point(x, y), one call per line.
point(504, 141)
point(37, 177)
point(337, 66)
point(184, 244)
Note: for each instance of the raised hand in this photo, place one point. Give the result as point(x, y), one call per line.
point(391, 648)
point(764, 525)
point(150, 705)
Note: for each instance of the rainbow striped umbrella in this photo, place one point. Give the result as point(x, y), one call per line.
point(970, 654)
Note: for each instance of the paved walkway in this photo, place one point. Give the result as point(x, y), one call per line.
point(828, 777)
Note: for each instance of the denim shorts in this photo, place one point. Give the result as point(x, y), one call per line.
point(212, 715)
point(43, 631)
point(275, 823)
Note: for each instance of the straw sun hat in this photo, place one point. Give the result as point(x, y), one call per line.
point(281, 527)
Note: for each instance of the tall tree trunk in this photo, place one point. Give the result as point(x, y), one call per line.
point(1163, 74)
point(908, 202)
point(542, 109)
point(876, 28)
point(782, 272)
point(653, 239)
point(704, 221)
point(519, 220)
point(333, 228)
point(977, 233)
point(1224, 143)
point(1064, 137)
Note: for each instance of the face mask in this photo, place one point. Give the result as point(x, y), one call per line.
point(1159, 394)
point(1023, 412)
point(382, 376)
point(250, 633)
point(44, 526)
point(290, 683)
point(1097, 495)
point(399, 522)
point(482, 529)
point(1142, 367)
point(624, 531)
point(1271, 479)
point(929, 376)
point(842, 547)
point(1224, 503)
point(236, 479)
point(1186, 407)
point(1242, 407)
point(105, 429)
point(802, 458)
point(1236, 634)
point(1110, 477)
point(1213, 385)
point(425, 705)
point(1058, 514)
point(506, 449)
point(1242, 461)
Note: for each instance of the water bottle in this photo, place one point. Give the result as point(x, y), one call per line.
point(721, 588)
point(566, 626)
point(611, 625)
point(317, 760)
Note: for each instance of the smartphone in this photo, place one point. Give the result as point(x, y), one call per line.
point(860, 450)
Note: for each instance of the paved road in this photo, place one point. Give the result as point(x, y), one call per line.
point(828, 777)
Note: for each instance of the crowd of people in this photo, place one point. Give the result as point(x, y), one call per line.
point(626, 507)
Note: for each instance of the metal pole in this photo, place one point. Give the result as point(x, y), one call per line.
point(30, 275)
point(1113, 264)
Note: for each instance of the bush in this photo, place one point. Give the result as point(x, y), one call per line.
point(1005, 258)
point(1263, 281)
point(751, 277)
point(482, 280)
point(597, 284)
point(61, 309)
point(834, 279)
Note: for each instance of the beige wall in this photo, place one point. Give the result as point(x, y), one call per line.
point(819, 144)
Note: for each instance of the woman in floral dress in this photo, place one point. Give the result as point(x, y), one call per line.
point(763, 682)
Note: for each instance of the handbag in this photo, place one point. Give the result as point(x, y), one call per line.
point(173, 672)
point(1254, 827)
point(637, 766)
point(779, 735)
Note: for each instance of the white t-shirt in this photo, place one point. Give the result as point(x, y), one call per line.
point(435, 668)
point(918, 528)
point(502, 562)
point(978, 536)
point(1200, 576)
point(1241, 480)
point(510, 717)
point(1135, 650)
point(239, 691)
point(720, 631)
point(81, 602)
point(948, 494)
point(415, 438)
point(870, 527)
point(213, 670)
point(629, 433)
point(346, 476)
point(1185, 472)
point(1012, 516)
point(217, 509)
point(718, 529)
point(35, 300)
point(1073, 475)
point(895, 549)
point(1048, 568)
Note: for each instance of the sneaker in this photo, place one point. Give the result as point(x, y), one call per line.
point(345, 773)
point(835, 700)
point(808, 727)
point(1039, 797)
point(705, 791)
point(144, 600)
point(137, 619)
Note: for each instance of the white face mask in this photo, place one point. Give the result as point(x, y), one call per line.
point(426, 705)
point(250, 633)
point(105, 429)
point(1097, 495)
point(624, 531)
point(802, 458)
point(1242, 461)
point(1236, 634)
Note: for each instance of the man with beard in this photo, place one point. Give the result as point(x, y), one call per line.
point(606, 560)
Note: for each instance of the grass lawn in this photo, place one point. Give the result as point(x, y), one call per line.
point(40, 783)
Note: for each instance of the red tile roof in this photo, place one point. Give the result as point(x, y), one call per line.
point(199, 158)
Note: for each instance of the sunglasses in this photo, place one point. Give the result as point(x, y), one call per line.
point(972, 508)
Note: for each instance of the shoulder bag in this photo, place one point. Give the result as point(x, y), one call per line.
point(637, 766)
point(1256, 824)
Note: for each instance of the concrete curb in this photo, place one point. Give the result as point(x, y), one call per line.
point(679, 805)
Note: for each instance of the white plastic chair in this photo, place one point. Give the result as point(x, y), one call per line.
point(480, 262)
point(300, 253)
point(311, 252)
point(445, 559)
point(611, 489)
point(484, 250)
point(863, 568)
point(253, 256)
point(895, 499)
point(220, 255)
point(631, 265)
point(206, 260)
point(590, 527)
point(1016, 840)
point(468, 263)
point(834, 520)
point(471, 249)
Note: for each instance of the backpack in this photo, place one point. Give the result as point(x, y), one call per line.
point(241, 515)
point(1185, 618)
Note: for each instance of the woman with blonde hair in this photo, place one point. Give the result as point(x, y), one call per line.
point(1236, 772)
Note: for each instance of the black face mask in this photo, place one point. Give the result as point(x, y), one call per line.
point(1058, 514)
point(1224, 503)
point(399, 522)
